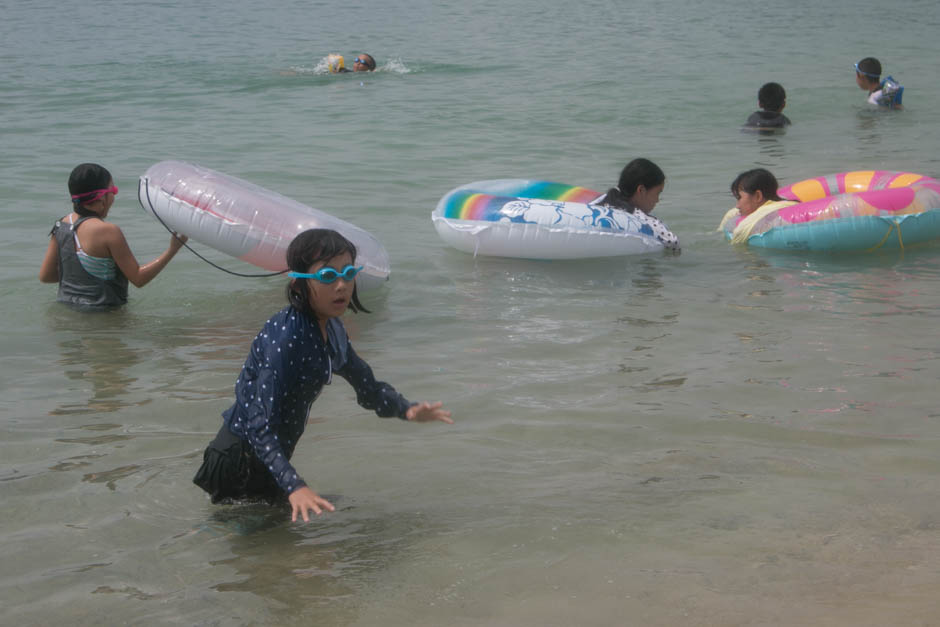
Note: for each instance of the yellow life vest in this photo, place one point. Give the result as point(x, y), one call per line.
point(744, 228)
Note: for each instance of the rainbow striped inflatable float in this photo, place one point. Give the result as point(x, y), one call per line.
point(537, 220)
point(852, 211)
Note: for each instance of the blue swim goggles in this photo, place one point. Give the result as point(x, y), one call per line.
point(327, 274)
point(868, 74)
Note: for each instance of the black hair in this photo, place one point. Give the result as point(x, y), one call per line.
point(371, 63)
point(870, 67)
point(771, 97)
point(754, 180)
point(638, 172)
point(308, 248)
point(84, 179)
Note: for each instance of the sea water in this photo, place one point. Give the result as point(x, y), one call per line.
point(725, 437)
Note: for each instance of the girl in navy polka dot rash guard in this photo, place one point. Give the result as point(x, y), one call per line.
point(296, 353)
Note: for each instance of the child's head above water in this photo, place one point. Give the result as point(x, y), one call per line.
point(639, 172)
point(772, 97)
point(868, 73)
point(312, 247)
point(753, 188)
point(364, 63)
point(756, 180)
point(87, 183)
point(640, 184)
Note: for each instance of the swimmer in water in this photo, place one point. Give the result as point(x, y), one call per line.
point(771, 98)
point(885, 93)
point(637, 192)
point(363, 63)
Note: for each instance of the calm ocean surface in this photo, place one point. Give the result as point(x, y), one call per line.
point(726, 437)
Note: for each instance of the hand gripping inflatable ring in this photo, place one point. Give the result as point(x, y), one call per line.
point(246, 221)
point(537, 220)
point(851, 211)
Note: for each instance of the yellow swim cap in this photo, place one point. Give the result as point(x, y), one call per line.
point(336, 63)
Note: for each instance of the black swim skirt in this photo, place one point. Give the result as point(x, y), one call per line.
point(230, 471)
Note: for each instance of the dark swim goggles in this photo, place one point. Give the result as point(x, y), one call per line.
point(327, 274)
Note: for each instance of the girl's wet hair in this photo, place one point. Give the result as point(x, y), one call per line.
point(638, 172)
point(751, 181)
point(85, 178)
point(308, 248)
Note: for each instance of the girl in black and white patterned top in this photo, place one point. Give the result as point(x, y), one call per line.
point(637, 192)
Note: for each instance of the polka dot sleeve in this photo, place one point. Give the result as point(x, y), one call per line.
point(262, 386)
point(372, 394)
point(667, 237)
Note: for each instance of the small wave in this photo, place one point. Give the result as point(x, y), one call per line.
point(396, 66)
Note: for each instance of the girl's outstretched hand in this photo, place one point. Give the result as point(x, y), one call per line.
point(304, 499)
point(428, 412)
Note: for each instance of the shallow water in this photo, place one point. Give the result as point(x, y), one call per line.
point(726, 437)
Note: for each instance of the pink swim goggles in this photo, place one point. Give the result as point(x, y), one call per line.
point(94, 195)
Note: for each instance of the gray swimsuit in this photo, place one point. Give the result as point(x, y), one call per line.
point(76, 286)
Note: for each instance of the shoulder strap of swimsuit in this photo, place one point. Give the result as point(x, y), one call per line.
point(74, 229)
point(80, 220)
